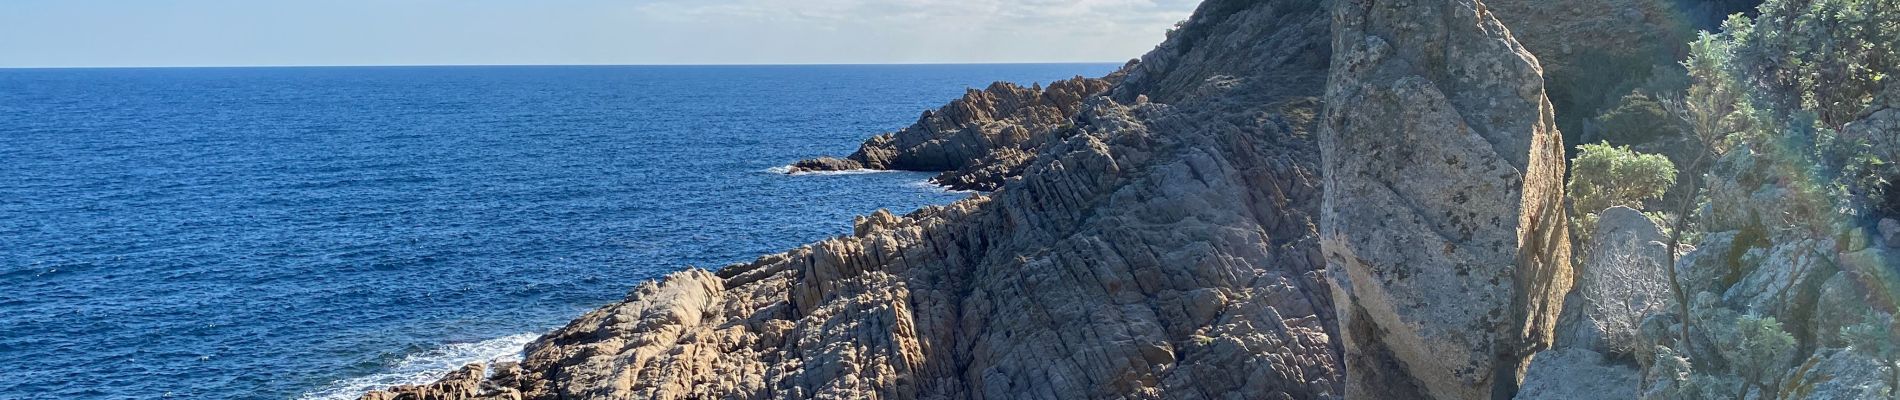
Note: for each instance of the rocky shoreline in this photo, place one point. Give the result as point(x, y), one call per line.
point(1284, 200)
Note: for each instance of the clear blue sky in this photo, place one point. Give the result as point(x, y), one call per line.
point(115, 33)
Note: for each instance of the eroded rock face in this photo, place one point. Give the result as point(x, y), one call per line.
point(1148, 250)
point(1443, 222)
point(1879, 127)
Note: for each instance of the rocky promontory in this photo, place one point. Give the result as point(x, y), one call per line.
point(1285, 199)
point(978, 140)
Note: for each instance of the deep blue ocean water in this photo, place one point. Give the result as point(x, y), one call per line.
point(314, 232)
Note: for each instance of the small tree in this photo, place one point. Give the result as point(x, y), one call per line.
point(1628, 289)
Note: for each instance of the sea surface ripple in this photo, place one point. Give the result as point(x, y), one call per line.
point(315, 232)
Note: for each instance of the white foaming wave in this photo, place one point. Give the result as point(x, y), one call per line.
point(427, 367)
point(787, 170)
point(933, 186)
point(845, 172)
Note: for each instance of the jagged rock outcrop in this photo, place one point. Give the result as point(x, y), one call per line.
point(461, 384)
point(1443, 222)
point(1107, 285)
point(1147, 250)
point(978, 140)
point(1879, 127)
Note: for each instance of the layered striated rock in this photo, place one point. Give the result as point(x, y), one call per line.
point(1139, 250)
point(1443, 221)
point(1105, 272)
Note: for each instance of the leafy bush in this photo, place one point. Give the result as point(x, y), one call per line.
point(1805, 70)
point(1758, 349)
point(1823, 56)
point(1604, 176)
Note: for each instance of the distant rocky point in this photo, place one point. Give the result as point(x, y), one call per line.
point(976, 141)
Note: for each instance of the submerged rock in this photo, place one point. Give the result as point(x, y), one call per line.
point(1443, 222)
point(822, 164)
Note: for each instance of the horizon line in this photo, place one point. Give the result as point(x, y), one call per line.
point(814, 64)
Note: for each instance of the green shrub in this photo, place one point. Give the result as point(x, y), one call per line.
point(1823, 56)
point(1604, 176)
point(1759, 350)
point(1804, 70)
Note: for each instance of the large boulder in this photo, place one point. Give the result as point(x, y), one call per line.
point(1717, 261)
point(1621, 280)
point(1443, 222)
point(1574, 373)
point(1786, 283)
point(1834, 374)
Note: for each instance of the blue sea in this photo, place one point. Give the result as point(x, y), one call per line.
point(316, 232)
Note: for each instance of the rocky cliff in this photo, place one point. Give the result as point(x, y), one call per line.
point(1285, 199)
point(1145, 249)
